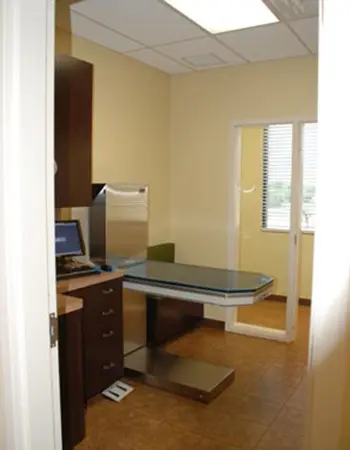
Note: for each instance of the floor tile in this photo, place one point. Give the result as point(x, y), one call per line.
point(254, 409)
point(168, 438)
point(300, 398)
point(193, 417)
point(210, 444)
point(237, 432)
point(291, 420)
point(152, 402)
point(278, 383)
point(101, 411)
point(264, 408)
point(278, 440)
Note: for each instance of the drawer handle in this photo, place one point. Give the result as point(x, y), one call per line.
point(108, 313)
point(107, 291)
point(109, 366)
point(108, 335)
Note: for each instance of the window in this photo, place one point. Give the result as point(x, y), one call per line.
point(277, 176)
point(309, 153)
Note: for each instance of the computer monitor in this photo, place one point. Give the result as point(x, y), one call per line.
point(68, 238)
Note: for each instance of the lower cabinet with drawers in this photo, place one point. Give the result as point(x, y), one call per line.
point(71, 379)
point(102, 335)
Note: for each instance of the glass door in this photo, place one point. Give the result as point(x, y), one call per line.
point(266, 186)
point(277, 219)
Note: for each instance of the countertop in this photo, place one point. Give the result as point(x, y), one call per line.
point(66, 303)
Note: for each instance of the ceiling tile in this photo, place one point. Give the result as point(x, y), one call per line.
point(264, 43)
point(88, 29)
point(184, 51)
point(159, 61)
point(147, 21)
point(307, 30)
point(293, 9)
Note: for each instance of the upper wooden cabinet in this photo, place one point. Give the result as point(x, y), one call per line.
point(73, 131)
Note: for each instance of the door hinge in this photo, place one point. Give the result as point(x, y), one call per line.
point(53, 330)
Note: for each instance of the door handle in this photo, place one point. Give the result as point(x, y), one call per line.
point(108, 313)
point(107, 291)
point(108, 366)
point(108, 335)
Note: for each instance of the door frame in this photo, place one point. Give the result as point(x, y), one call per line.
point(22, 428)
point(29, 384)
point(329, 348)
point(232, 323)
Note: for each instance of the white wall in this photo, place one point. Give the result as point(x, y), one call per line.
point(2, 414)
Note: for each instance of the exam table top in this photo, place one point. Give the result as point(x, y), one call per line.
point(205, 279)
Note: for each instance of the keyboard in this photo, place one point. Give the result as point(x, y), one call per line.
point(63, 272)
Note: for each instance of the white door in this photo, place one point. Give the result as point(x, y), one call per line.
point(268, 195)
point(266, 187)
point(29, 387)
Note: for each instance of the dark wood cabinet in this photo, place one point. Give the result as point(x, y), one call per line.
point(73, 131)
point(102, 335)
point(167, 319)
point(71, 379)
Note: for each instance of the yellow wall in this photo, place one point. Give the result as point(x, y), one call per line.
point(149, 127)
point(266, 251)
point(131, 125)
point(204, 106)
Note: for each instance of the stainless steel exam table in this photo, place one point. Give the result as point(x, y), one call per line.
point(196, 379)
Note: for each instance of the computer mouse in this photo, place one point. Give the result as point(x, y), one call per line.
point(107, 268)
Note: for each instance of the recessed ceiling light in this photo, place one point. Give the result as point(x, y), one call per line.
point(218, 16)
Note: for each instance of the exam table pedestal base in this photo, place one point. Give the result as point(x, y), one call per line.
point(198, 380)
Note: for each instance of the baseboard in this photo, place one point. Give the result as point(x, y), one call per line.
point(213, 323)
point(283, 299)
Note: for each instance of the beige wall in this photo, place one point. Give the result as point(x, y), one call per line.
point(203, 108)
point(131, 125)
point(266, 251)
point(148, 129)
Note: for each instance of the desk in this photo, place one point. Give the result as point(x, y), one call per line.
point(89, 342)
point(225, 288)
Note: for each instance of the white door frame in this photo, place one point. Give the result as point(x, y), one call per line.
point(329, 354)
point(28, 295)
point(29, 384)
point(231, 319)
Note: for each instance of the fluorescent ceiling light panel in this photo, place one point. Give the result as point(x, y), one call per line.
point(218, 16)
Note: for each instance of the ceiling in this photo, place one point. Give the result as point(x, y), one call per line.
point(153, 32)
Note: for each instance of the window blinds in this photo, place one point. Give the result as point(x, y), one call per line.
point(277, 176)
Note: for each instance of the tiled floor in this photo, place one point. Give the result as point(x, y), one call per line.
point(263, 409)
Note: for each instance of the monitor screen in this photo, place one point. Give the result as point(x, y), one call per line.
point(68, 238)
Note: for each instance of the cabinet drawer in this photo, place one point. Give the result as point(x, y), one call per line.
point(102, 335)
point(101, 298)
point(102, 368)
point(102, 329)
point(105, 344)
point(106, 288)
point(71, 379)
